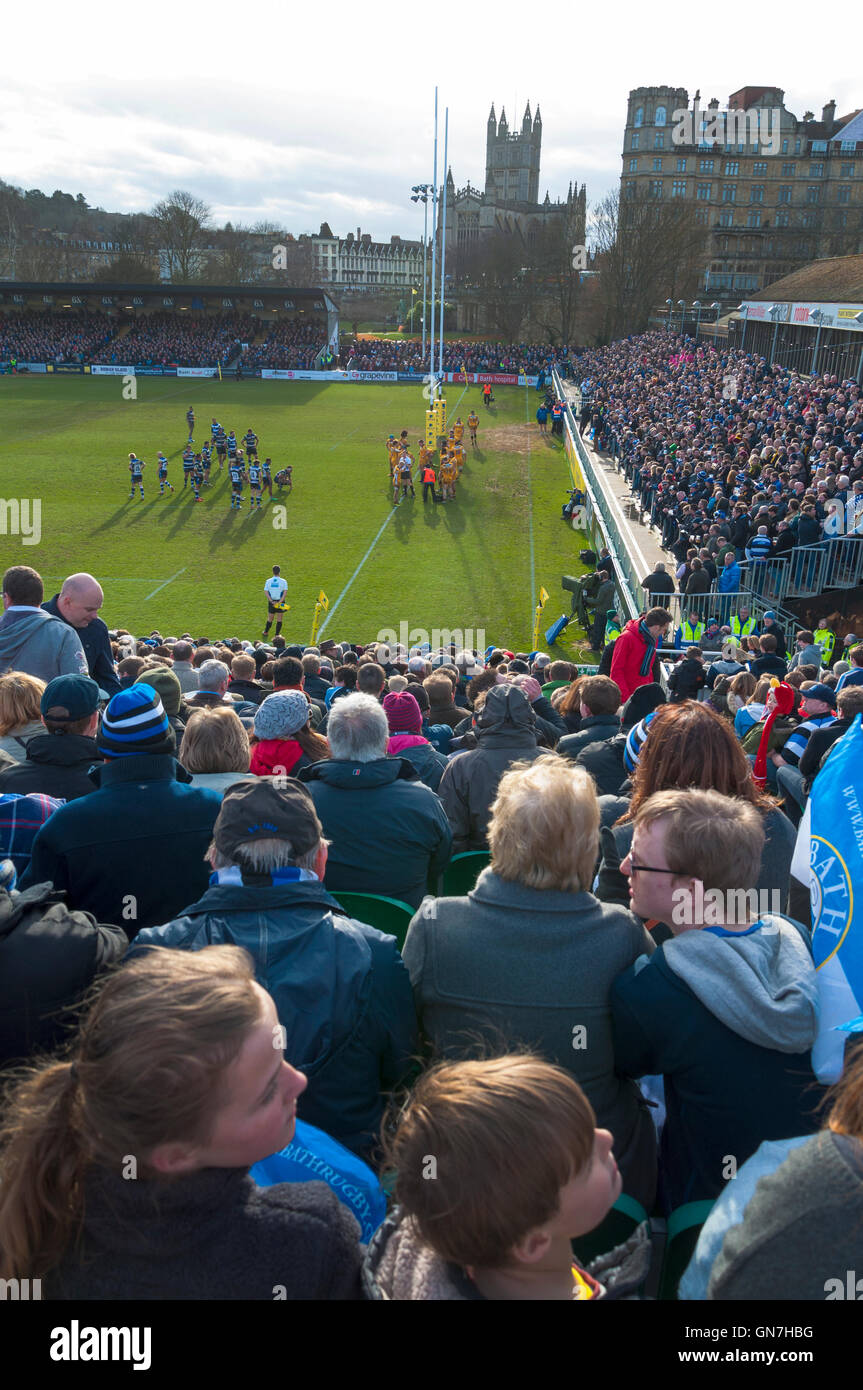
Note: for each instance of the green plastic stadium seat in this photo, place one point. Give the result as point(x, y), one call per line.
point(463, 871)
point(625, 1216)
point(684, 1228)
point(387, 914)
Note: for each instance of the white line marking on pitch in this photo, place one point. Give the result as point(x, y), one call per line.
point(166, 583)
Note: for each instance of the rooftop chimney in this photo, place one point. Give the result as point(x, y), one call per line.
point(828, 113)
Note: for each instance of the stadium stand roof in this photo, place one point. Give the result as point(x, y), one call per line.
point(90, 294)
point(836, 279)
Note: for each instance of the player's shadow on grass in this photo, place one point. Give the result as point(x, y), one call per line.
point(454, 518)
point(185, 504)
point(405, 515)
point(127, 516)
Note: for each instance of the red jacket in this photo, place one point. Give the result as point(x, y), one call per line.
point(276, 755)
point(627, 659)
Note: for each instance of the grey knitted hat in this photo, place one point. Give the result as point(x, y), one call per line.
point(282, 714)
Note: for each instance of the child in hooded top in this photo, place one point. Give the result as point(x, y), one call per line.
point(500, 1167)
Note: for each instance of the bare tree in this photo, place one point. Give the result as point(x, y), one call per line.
point(646, 251)
point(498, 267)
point(556, 267)
point(127, 268)
point(181, 223)
point(235, 262)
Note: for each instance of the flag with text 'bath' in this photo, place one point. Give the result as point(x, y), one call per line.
point(836, 889)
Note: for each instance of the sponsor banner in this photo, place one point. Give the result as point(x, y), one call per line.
point(497, 378)
point(527, 380)
point(154, 371)
point(196, 371)
point(278, 374)
point(798, 312)
point(410, 376)
point(372, 376)
point(98, 370)
point(69, 368)
point(30, 366)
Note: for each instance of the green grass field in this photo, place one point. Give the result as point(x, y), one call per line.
point(174, 564)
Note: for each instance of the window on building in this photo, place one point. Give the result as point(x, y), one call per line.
point(705, 166)
point(788, 170)
point(656, 188)
point(759, 167)
point(753, 218)
point(840, 219)
point(701, 216)
point(816, 171)
point(756, 193)
point(729, 193)
point(784, 193)
point(783, 218)
point(819, 146)
point(704, 191)
point(639, 116)
point(797, 144)
point(843, 193)
point(847, 146)
point(633, 143)
point(847, 171)
point(808, 219)
point(678, 188)
point(659, 118)
point(813, 193)
point(633, 166)
point(659, 141)
point(657, 166)
point(726, 219)
point(732, 166)
point(630, 188)
point(681, 166)
point(784, 146)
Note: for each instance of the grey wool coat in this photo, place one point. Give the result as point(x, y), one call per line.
point(508, 966)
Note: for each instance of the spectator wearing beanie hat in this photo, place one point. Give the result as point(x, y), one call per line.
point(283, 742)
point(406, 740)
point(170, 692)
point(132, 852)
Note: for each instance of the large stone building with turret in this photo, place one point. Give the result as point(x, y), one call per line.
point(509, 202)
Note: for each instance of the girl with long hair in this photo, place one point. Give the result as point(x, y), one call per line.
point(124, 1167)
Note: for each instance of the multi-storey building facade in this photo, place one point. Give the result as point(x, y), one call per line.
point(772, 191)
point(359, 262)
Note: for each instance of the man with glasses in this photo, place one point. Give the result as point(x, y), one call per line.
point(726, 1009)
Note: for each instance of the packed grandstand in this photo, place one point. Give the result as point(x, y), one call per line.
point(501, 915)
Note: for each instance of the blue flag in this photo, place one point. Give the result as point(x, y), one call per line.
point(836, 888)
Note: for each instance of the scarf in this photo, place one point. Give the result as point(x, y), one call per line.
point(290, 873)
point(650, 650)
point(784, 705)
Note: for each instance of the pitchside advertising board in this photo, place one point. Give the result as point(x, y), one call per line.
point(835, 315)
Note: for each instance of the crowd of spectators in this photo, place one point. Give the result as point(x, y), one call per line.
point(289, 345)
point(179, 340)
point(188, 845)
point(76, 336)
point(723, 449)
point(384, 355)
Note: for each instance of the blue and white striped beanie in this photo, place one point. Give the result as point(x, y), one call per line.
point(135, 722)
point(634, 740)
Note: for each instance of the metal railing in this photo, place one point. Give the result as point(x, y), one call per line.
point(598, 509)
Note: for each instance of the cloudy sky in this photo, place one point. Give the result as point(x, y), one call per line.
point(302, 113)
